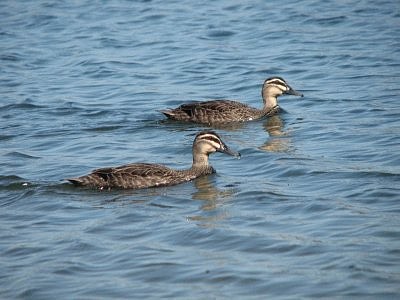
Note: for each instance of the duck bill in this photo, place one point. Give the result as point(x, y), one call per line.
point(293, 92)
point(228, 151)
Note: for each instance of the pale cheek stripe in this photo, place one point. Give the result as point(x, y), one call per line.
point(213, 140)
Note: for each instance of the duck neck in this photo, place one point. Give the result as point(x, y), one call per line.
point(200, 160)
point(200, 163)
point(270, 100)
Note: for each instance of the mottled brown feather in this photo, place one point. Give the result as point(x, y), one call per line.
point(213, 111)
point(143, 175)
point(229, 111)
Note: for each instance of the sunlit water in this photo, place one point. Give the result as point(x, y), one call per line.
point(312, 210)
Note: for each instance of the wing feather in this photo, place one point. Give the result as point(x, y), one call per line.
point(210, 111)
point(132, 170)
point(212, 105)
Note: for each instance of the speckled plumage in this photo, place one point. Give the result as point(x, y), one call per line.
point(143, 175)
point(227, 111)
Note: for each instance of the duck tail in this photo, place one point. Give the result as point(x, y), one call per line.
point(169, 113)
point(87, 180)
point(77, 181)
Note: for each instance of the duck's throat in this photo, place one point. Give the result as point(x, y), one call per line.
point(200, 160)
point(270, 111)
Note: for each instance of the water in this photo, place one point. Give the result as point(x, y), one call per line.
point(310, 211)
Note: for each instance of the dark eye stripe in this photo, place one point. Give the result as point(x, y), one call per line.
point(213, 139)
point(208, 137)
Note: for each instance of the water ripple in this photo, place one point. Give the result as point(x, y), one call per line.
point(310, 210)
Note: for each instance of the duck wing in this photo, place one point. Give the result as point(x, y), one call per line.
point(136, 169)
point(138, 175)
point(208, 111)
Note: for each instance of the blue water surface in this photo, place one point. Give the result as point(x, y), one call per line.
point(312, 210)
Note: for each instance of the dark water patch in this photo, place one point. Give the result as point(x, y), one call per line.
point(97, 71)
point(16, 192)
point(26, 105)
point(383, 193)
point(11, 82)
point(155, 17)
point(13, 182)
point(6, 137)
point(220, 33)
point(20, 155)
point(11, 57)
point(357, 172)
point(127, 63)
point(68, 109)
point(20, 251)
point(112, 43)
point(104, 128)
point(328, 21)
point(94, 113)
point(40, 20)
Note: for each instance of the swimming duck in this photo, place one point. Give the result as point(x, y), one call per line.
point(226, 111)
point(144, 175)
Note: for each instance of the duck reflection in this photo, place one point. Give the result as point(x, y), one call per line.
point(274, 126)
point(279, 139)
point(212, 210)
point(207, 191)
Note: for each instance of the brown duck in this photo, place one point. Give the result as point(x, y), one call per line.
point(144, 175)
point(227, 111)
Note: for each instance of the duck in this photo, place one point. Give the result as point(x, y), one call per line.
point(229, 111)
point(146, 175)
